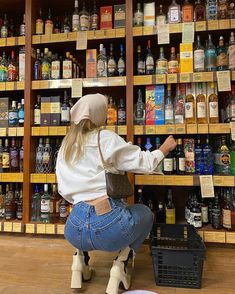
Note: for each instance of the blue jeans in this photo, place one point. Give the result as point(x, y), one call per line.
point(123, 226)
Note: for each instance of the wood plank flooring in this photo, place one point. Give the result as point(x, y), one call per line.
point(34, 265)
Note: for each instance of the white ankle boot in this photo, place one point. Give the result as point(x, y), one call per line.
point(80, 271)
point(118, 273)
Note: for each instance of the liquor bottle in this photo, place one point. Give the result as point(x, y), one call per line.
point(161, 214)
point(161, 17)
point(21, 156)
point(4, 28)
point(149, 61)
point(19, 206)
point(213, 106)
point(211, 9)
point(231, 10)
point(1, 151)
point(168, 164)
point(37, 111)
point(12, 68)
point(9, 203)
point(199, 56)
point(45, 205)
point(39, 157)
point(222, 158)
point(2, 204)
point(3, 68)
point(63, 208)
point(204, 209)
point(138, 19)
point(170, 209)
point(75, 17)
point(57, 26)
point(199, 11)
point(67, 67)
point(201, 106)
point(111, 65)
point(121, 112)
point(37, 66)
point(66, 28)
point(161, 63)
point(222, 9)
point(111, 113)
point(216, 214)
point(222, 57)
point(39, 23)
point(22, 64)
point(139, 142)
point(14, 157)
point(54, 204)
point(21, 113)
point(55, 68)
point(148, 146)
point(65, 111)
point(196, 214)
point(101, 63)
point(6, 157)
point(174, 13)
point(49, 23)
point(231, 105)
point(47, 157)
point(36, 205)
point(173, 63)
point(121, 64)
point(179, 104)
point(13, 115)
point(232, 156)
point(226, 212)
point(210, 55)
point(11, 29)
point(140, 70)
point(46, 66)
point(190, 116)
point(140, 199)
point(180, 158)
point(169, 107)
point(139, 110)
point(199, 162)
point(187, 11)
point(231, 52)
point(208, 158)
point(233, 210)
point(94, 18)
point(84, 19)
point(23, 27)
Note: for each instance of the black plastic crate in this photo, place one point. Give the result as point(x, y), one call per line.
point(178, 254)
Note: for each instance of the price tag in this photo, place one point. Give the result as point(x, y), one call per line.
point(20, 85)
point(81, 40)
point(139, 130)
point(224, 80)
point(41, 228)
point(20, 132)
point(36, 39)
point(35, 131)
point(110, 33)
point(11, 41)
point(43, 131)
point(60, 229)
point(21, 40)
point(111, 128)
point(150, 130)
point(160, 79)
point(232, 23)
point(185, 78)
point(38, 178)
point(50, 229)
point(45, 38)
point(143, 80)
point(213, 25)
point(180, 129)
point(3, 132)
point(232, 128)
point(122, 130)
point(2, 85)
point(99, 34)
point(172, 79)
point(197, 77)
point(53, 131)
point(10, 86)
point(208, 77)
point(120, 33)
point(207, 187)
point(61, 131)
point(170, 129)
point(12, 132)
point(30, 228)
point(202, 129)
point(163, 34)
point(7, 227)
point(191, 129)
point(175, 28)
point(188, 32)
point(137, 31)
point(72, 36)
point(17, 227)
point(224, 24)
point(76, 88)
point(200, 26)
point(148, 31)
point(2, 42)
point(51, 178)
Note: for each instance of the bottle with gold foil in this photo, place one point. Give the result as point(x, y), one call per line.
point(213, 105)
point(170, 209)
point(49, 23)
point(161, 63)
point(112, 113)
point(231, 52)
point(187, 11)
point(39, 23)
point(201, 106)
point(189, 106)
point(173, 63)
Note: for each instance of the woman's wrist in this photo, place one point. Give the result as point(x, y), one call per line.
point(164, 150)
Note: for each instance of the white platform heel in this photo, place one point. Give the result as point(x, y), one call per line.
point(80, 271)
point(119, 274)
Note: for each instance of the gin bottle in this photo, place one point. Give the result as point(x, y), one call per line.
point(208, 158)
point(139, 111)
point(174, 13)
point(45, 205)
point(222, 9)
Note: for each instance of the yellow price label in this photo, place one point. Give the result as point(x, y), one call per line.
point(60, 229)
point(30, 228)
point(41, 228)
point(150, 130)
point(50, 229)
point(17, 227)
point(200, 26)
point(3, 132)
point(139, 130)
point(138, 31)
point(7, 227)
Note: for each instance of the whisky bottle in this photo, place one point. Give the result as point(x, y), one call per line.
point(231, 52)
point(199, 56)
point(149, 61)
point(3, 68)
point(19, 206)
point(65, 110)
point(174, 13)
point(63, 208)
point(66, 25)
point(55, 68)
point(13, 115)
point(39, 24)
point(94, 18)
point(168, 164)
point(121, 64)
point(161, 63)
point(169, 107)
point(47, 157)
point(14, 157)
point(226, 212)
point(57, 26)
point(36, 205)
point(196, 214)
point(170, 208)
point(199, 11)
point(222, 56)
point(173, 63)
point(84, 18)
point(112, 113)
point(39, 157)
point(111, 65)
point(4, 28)
point(45, 205)
point(11, 30)
point(138, 19)
point(140, 69)
point(121, 112)
point(12, 68)
point(222, 9)
point(75, 17)
point(216, 214)
point(23, 27)
point(101, 63)
point(213, 106)
point(49, 23)
point(9, 203)
point(190, 116)
point(201, 106)
point(139, 110)
point(67, 67)
point(37, 111)
point(187, 11)
point(6, 157)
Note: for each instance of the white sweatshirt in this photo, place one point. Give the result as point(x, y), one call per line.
point(86, 179)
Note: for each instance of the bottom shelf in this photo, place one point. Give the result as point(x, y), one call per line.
point(210, 235)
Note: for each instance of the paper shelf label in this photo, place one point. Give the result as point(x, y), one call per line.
point(203, 129)
point(2, 85)
point(207, 187)
point(30, 228)
point(224, 80)
point(230, 238)
point(122, 130)
point(36, 39)
point(17, 227)
point(213, 25)
point(20, 132)
point(214, 237)
point(172, 78)
point(139, 130)
point(43, 131)
point(81, 40)
point(160, 79)
point(180, 129)
point(150, 130)
point(200, 26)
point(3, 132)
point(38, 178)
point(51, 178)
point(148, 31)
point(2, 42)
point(50, 229)
point(175, 28)
point(224, 24)
point(143, 80)
point(7, 227)
point(119, 33)
point(138, 31)
point(12, 132)
point(192, 129)
point(232, 23)
point(185, 78)
point(60, 229)
point(45, 38)
point(41, 228)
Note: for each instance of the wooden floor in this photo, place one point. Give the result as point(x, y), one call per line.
point(30, 265)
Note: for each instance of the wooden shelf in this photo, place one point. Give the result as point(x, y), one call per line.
point(11, 86)
point(72, 37)
point(12, 132)
point(182, 129)
point(43, 178)
point(12, 226)
point(11, 177)
point(200, 26)
point(181, 180)
point(86, 83)
point(160, 79)
point(211, 235)
point(12, 41)
point(48, 229)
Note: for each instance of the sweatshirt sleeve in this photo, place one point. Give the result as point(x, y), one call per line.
point(124, 156)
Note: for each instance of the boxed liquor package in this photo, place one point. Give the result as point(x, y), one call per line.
point(55, 110)
point(159, 105)
point(189, 148)
point(4, 106)
point(149, 14)
point(186, 58)
point(91, 63)
point(106, 17)
point(150, 105)
point(45, 111)
point(119, 16)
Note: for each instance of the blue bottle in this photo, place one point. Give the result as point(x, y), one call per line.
point(148, 146)
point(199, 165)
point(21, 113)
point(208, 159)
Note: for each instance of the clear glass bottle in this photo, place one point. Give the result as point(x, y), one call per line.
point(187, 11)
point(67, 67)
point(170, 208)
point(35, 205)
point(45, 205)
point(121, 112)
point(173, 63)
point(161, 63)
point(139, 110)
point(213, 106)
point(138, 19)
point(13, 115)
point(174, 13)
point(190, 113)
point(101, 63)
point(210, 55)
point(84, 18)
point(47, 157)
point(169, 107)
point(111, 65)
point(3, 68)
point(23, 27)
point(121, 64)
point(222, 55)
point(199, 11)
point(199, 56)
point(149, 61)
point(39, 156)
point(201, 106)
point(55, 67)
point(4, 28)
point(161, 17)
point(46, 67)
point(179, 104)
point(140, 69)
point(75, 17)
point(231, 52)
point(37, 111)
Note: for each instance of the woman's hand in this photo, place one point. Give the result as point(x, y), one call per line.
point(168, 145)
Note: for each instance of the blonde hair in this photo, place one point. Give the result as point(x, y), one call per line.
point(77, 134)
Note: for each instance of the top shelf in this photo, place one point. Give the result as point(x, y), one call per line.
point(12, 41)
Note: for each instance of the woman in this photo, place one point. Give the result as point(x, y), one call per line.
point(98, 222)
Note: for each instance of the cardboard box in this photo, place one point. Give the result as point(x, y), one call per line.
point(4, 107)
point(149, 14)
point(55, 110)
point(186, 58)
point(189, 148)
point(106, 17)
point(45, 111)
point(150, 105)
point(91, 63)
point(159, 105)
point(120, 16)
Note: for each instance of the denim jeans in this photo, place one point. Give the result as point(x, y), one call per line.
point(123, 226)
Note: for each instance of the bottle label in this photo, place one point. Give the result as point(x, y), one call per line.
point(57, 207)
point(111, 116)
point(169, 112)
point(189, 110)
point(4, 32)
point(75, 22)
point(161, 66)
point(205, 214)
point(94, 21)
point(84, 22)
point(231, 54)
point(22, 30)
point(51, 207)
point(3, 73)
point(196, 218)
point(5, 160)
point(170, 216)
point(174, 14)
point(46, 157)
point(14, 158)
point(222, 59)
point(48, 27)
point(45, 71)
point(141, 67)
point(168, 164)
point(211, 59)
point(138, 18)
point(149, 63)
point(67, 69)
point(173, 66)
point(101, 68)
point(39, 27)
point(111, 66)
point(121, 116)
point(12, 73)
point(227, 219)
point(201, 110)
point(199, 59)
point(13, 118)
point(187, 14)
point(121, 66)
point(186, 213)
point(232, 110)
point(45, 206)
point(213, 109)
point(21, 116)
point(65, 114)
point(225, 159)
point(55, 69)
point(182, 164)
point(37, 115)
point(63, 211)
